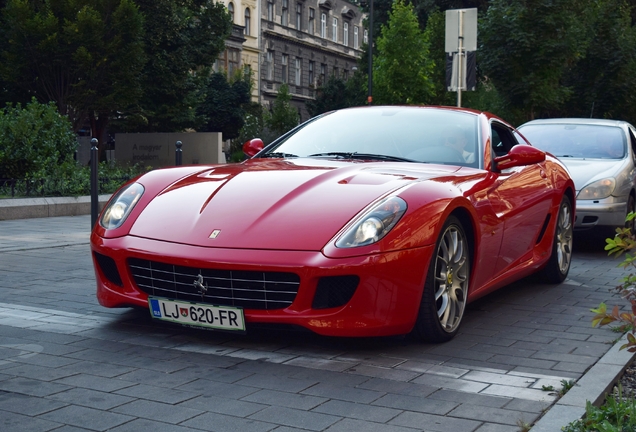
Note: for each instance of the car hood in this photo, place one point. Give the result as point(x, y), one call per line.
point(297, 204)
point(586, 171)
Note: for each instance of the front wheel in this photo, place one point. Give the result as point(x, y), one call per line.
point(558, 266)
point(446, 287)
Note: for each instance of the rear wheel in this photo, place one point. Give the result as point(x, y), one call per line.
point(446, 287)
point(559, 263)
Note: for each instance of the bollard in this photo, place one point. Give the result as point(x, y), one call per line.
point(178, 153)
point(94, 185)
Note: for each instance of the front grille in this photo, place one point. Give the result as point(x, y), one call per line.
point(245, 289)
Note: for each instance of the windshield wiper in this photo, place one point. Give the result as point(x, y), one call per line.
point(279, 155)
point(356, 155)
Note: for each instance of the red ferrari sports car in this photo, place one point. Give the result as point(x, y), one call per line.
point(367, 221)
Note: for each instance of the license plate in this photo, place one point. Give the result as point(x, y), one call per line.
point(197, 314)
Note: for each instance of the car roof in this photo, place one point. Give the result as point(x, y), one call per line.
point(587, 121)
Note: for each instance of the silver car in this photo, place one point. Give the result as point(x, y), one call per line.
point(601, 158)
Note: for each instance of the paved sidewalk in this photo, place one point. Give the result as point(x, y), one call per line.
point(68, 364)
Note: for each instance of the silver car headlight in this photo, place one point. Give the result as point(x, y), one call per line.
point(374, 224)
point(598, 190)
point(121, 205)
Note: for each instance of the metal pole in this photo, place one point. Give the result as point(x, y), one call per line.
point(460, 59)
point(178, 153)
point(94, 186)
point(370, 85)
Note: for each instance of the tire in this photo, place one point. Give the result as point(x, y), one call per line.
point(445, 292)
point(558, 266)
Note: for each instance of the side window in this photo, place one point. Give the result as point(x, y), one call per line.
point(502, 139)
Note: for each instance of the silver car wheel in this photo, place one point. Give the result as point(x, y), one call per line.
point(451, 278)
point(564, 238)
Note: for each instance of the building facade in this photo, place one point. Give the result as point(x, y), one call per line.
point(242, 48)
point(303, 42)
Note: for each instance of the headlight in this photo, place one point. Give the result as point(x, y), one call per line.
point(598, 190)
point(374, 224)
point(121, 205)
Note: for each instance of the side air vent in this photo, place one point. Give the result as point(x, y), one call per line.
point(334, 291)
point(109, 268)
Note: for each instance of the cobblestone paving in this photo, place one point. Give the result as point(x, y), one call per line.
point(67, 364)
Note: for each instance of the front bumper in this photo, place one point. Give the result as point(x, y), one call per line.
point(386, 301)
point(593, 213)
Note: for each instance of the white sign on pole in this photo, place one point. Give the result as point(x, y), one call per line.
point(461, 37)
point(468, 32)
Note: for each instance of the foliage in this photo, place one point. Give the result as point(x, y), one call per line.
point(34, 140)
point(223, 106)
point(527, 47)
point(617, 414)
point(183, 38)
point(623, 242)
point(283, 116)
point(566, 385)
point(86, 55)
point(402, 65)
point(337, 93)
point(253, 127)
point(598, 80)
point(70, 179)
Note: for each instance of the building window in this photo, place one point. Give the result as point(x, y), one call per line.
point(269, 60)
point(284, 18)
point(299, 15)
point(323, 25)
point(270, 10)
point(335, 72)
point(247, 21)
point(230, 9)
point(345, 34)
point(233, 61)
point(356, 43)
point(284, 70)
point(311, 73)
point(334, 30)
point(345, 74)
point(365, 38)
point(229, 61)
point(298, 71)
point(323, 73)
point(312, 15)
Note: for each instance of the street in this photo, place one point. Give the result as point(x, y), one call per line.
point(68, 364)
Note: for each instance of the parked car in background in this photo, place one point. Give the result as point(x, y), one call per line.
point(601, 158)
point(367, 221)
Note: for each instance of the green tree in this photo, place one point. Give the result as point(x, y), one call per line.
point(527, 47)
point(183, 38)
point(337, 93)
point(85, 55)
point(224, 104)
point(603, 81)
point(34, 140)
point(283, 116)
point(402, 66)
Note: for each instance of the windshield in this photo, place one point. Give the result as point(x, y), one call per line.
point(387, 133)
point(577, 140)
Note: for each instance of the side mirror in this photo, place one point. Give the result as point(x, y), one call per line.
point(520, 155)
point(253, 146)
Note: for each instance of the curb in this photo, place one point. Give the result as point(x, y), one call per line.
point(593, 386)
point(26, 208)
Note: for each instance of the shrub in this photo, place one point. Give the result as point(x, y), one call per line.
point(34, 140)
point(623, 242)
